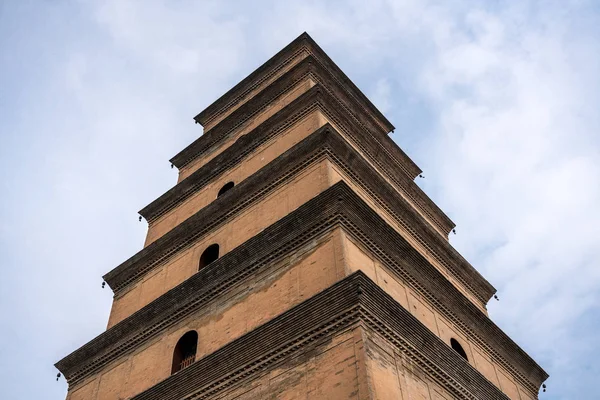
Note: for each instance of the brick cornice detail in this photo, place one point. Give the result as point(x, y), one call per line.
point(352, 302)
point(337, 206)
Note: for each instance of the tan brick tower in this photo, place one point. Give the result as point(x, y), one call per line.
point(297, 259)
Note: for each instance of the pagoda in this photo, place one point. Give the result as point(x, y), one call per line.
point(296, 258)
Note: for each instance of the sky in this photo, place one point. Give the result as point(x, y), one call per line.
point(496, 101)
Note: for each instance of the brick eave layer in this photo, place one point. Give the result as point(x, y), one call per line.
point(355, 300)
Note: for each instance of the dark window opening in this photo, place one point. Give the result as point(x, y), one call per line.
point(210, 254)
point(225, 188)
point(458, 348)
point(185, 351)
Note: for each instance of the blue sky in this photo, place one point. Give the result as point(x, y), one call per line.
point(496, 101)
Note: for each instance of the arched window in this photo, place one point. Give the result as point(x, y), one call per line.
point(458, 348)
point(185, 351)
point(210, 254)
point(225, 188)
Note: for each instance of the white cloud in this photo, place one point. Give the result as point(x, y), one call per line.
point(515, 169)
point(381, 95)
point(509, 147)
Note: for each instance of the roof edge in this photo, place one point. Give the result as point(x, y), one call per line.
point(303, 40)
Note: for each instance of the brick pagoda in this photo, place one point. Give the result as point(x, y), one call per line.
point(296, 258)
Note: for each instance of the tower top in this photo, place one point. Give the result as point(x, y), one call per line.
point(305, 59)
point(302, 45)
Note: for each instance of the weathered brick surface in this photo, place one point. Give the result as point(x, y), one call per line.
point(356, 257)
point(229, 235)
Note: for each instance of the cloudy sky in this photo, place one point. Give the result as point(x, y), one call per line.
point(496, 101)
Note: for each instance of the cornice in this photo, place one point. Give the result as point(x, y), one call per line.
point(303, 43)
point(383, 153)
point(325, 141)
point(353, 302)
point(307, 68)
point(337, 206)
